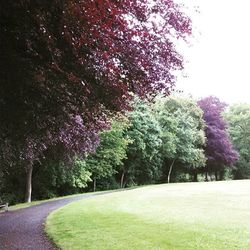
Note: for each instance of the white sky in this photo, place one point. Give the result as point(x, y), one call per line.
point(219, 58)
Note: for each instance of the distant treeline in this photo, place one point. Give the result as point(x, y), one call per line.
point(172, 139)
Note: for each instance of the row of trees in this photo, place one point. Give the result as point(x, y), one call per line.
point(171, 139)
point(67, 69)
point(68, 66)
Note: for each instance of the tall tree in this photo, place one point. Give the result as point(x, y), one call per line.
point(238, 118)
point(183, 135)
point(143, 164)
point(64, 62)
point(219, 149)
point(109, 155)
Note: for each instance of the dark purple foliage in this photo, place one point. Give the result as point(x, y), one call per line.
point(65, 62)
point(219, 149)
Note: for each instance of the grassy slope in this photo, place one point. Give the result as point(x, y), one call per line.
point(175, 216)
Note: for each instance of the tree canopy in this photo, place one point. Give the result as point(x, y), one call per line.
point(182, 129)
point(219, 149)
point(155, 142)
point(111, 153)
point(66, 64)
point(143, 164)
point(238, 118)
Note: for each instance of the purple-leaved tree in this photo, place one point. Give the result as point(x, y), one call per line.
point(219, 149)
point(66, 63)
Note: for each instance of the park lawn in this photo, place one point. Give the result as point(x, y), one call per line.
point(212, 215)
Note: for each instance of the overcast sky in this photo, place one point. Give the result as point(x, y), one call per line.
point(219, 58)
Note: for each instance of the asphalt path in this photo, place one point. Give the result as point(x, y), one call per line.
point(23, 229)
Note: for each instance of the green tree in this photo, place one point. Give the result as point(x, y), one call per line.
point(182, 133)
point(109, 156)
point(52, 180)
point(238, 118)
point(57, 179)
point(143, 164)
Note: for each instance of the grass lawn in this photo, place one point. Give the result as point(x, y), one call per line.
point(213, 215)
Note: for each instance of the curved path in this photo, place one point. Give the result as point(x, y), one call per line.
point(23, 229)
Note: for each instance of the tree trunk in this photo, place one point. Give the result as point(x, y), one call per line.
point(206, 176)
point(94, 184)
point(28, 184)
point(170, 170)
point(221, 175)
point(195, 177)
point(122, 178)
point(216, 175)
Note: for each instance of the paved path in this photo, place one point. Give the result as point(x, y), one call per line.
point(24, 229)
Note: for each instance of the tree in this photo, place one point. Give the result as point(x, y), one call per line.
point(219, 149)
point(238, 118)
point(109, 155)
point(64, 63)
point(143, 164)
point(182, 132)
point(57, 180)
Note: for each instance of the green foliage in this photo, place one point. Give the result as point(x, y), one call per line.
point(153, 143)
point(170, 130)
point(57, 179)
point(238, 118)
point(143, 164)
point(80, 175)
point(182, 129)
point(109, 156)
point(12, 184)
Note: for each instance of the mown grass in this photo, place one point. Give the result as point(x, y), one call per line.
point(176, 216)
